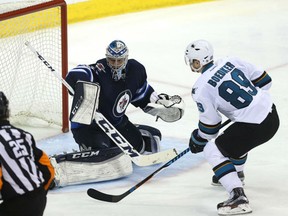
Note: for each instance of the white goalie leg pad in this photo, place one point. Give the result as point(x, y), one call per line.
point(73, 172)
point(85, 102)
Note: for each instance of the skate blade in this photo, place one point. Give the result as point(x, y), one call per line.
point(240, 209)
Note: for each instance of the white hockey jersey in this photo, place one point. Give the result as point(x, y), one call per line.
point(234, 88)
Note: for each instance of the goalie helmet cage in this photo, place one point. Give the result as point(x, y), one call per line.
point(36, 96)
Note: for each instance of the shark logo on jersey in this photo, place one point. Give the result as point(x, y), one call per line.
point(122, 103)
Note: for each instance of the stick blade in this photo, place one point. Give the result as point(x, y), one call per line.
point(156, 158)
point(95, 194)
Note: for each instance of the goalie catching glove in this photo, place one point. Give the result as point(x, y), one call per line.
point(168, 108)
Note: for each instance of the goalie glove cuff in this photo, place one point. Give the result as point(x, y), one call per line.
point(154, 97)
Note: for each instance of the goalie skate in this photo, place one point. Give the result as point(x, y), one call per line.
point(237, 204)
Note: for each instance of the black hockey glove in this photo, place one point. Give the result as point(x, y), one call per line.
point(196, 142)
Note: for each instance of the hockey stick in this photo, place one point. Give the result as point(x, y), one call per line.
point(95, 194)
point(110, 130)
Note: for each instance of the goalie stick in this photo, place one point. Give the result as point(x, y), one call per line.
point(110, 130)
point(95, 194)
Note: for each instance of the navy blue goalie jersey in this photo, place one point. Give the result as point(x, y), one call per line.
point(115, 96)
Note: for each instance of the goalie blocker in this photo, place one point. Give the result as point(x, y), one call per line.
point(85, 102)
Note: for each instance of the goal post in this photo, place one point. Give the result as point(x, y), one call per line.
point(37, 98)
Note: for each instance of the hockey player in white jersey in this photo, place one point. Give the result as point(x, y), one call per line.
point(237, 90)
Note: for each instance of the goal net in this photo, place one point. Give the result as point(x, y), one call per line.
point(37, 98)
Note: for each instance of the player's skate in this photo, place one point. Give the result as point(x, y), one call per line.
point(215, 181)
point(237, 204)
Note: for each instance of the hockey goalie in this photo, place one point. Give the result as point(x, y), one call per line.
point(108, 87)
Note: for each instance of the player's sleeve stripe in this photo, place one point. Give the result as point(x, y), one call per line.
point(209, 129)
point(263, 80)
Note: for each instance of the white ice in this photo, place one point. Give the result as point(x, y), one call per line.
point(254, 30)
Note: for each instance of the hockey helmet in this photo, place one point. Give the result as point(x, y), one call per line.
point(200, 50)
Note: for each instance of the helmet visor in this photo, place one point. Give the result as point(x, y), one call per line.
point(194, 64)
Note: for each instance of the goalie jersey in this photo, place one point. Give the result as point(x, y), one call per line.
point(115, 96)
point(234, 88)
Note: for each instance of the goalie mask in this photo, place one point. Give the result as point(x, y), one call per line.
point(199, 50)
point(117, 57)
point(4, 106)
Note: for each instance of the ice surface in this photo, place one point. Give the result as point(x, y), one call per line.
point(250, 29)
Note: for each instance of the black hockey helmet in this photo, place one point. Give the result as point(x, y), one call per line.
point(4, 105)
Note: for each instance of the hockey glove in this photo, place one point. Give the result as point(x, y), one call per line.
point(168, 108)
point(164, 100)
point(196, 142)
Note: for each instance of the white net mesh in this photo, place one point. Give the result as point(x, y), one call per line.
point(34, 93)
point(12, 5)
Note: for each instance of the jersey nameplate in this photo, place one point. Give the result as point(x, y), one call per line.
point(228, 67)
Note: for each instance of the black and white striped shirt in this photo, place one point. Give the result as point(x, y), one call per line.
point(19, 162)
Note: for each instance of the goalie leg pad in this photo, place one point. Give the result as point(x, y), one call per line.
point(73, 172)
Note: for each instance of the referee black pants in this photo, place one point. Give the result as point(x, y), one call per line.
point(30, 204)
